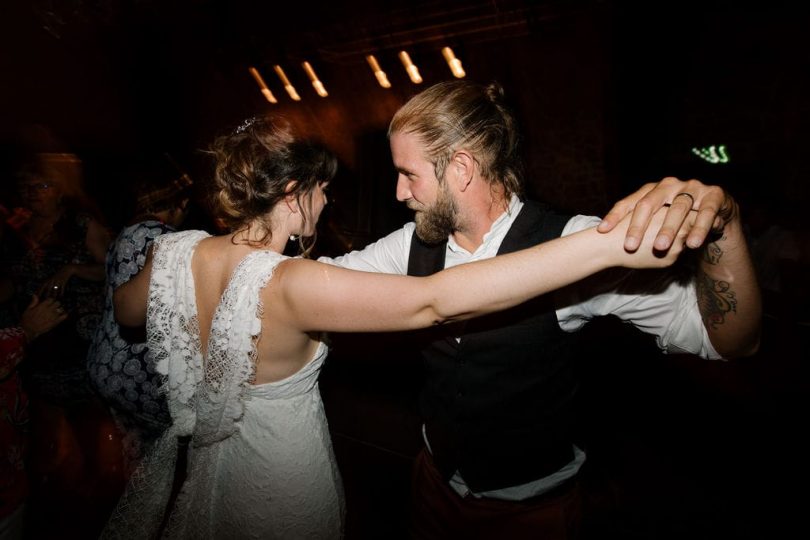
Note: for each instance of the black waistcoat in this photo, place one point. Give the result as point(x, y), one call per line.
point(498, 405)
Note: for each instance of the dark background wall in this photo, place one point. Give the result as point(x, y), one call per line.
point(610, 94)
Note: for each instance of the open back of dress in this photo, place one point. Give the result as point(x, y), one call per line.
point(260, 460)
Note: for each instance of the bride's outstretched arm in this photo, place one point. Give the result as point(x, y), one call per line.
point(315, 296)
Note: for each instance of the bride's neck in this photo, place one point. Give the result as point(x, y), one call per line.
point(257, 235)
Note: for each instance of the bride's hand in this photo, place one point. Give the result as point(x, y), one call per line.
point(713, 206)
point(647, 255)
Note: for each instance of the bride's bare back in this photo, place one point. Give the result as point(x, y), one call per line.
point(281, 349)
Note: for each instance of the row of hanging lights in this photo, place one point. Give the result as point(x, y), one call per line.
point(382, 78)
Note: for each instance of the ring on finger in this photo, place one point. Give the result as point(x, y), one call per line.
point(691, 198)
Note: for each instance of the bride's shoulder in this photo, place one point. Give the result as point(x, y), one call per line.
point(261, 263)
point(179, 239)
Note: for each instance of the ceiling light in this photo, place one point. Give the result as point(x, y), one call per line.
point(410, 67)
point(413, 71)
point(287, 84)
point(262, 86)
point(316, 83)
point(382, 78)
point(453, 62)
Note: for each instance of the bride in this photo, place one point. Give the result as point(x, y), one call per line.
point(236, 329)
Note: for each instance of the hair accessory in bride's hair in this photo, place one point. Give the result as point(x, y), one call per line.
point(246, 124)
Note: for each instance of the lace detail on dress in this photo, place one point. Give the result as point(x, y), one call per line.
point(172, 329)
point(173, 337)
point(206, 395)
point(230, 364)
point(220, 400)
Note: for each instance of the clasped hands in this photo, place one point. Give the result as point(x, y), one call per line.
point(713, 207)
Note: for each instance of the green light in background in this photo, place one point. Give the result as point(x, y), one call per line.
point(712, 154)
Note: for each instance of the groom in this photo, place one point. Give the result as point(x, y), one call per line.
point(499, 459)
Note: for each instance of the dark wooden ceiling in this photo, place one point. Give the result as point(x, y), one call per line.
point(609, 92)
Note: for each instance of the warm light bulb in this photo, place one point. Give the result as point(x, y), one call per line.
point(262, 85)
point(453, 62)
point(292, 92)
point(382, 78)
point(316, 83)
point(269, 95)
point(287, 84)
point(410, 67)
point(319, 88)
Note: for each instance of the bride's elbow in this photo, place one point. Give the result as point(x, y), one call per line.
point(438, 317)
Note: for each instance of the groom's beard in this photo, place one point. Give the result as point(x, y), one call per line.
point(436, 223)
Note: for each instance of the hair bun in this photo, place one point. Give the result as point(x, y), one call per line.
point(494, 91)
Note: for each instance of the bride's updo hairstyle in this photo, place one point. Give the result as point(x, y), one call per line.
point(254, 165)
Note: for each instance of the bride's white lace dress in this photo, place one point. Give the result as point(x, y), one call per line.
point(260, 460)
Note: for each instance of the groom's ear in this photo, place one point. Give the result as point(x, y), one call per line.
point(462, 168)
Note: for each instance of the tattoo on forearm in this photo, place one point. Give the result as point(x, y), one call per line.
point(712, 253)
point(715, 299)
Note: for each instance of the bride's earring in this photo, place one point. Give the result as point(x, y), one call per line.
point(293, 237)
point(293, 210)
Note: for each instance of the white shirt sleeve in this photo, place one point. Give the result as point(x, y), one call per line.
point(388, 255)
point(670, 314)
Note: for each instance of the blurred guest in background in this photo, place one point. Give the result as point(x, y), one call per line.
point(38, 318)
point(120, 365)
point(58, 252)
